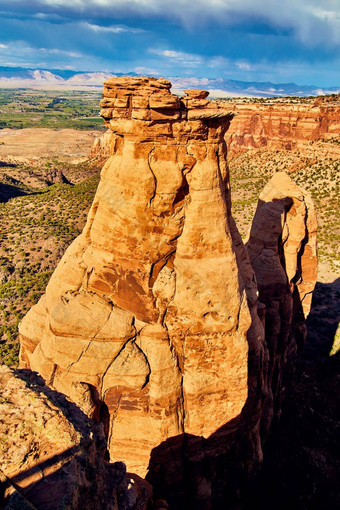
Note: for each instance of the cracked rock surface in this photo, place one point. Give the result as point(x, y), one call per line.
point(52, 454)
point(150, 322)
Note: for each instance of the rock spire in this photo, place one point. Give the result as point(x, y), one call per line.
point(150, 322)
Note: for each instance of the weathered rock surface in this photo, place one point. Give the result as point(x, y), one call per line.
point(151, 322)
point(102, 146)
point(283, 125)
point(55, 175)
point(52, 455)
point(283, 253)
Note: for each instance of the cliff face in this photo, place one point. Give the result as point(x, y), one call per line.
point(282, 125)
point(151, 322)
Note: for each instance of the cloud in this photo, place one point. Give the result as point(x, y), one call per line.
point(116, 29)
point(45, 16)
point(22, 51)
point(297, 40)
point(146, 70)
point(178, 57)
point(244, 66)
point(313, 22)
point(219, 62)
point(56, 51)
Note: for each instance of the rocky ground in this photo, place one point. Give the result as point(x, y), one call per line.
point(34, 146)
point(52, 457)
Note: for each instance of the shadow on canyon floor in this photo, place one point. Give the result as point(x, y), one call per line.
point(30, 484)
point(301, 468)
point(301, 458)
point(8, 191)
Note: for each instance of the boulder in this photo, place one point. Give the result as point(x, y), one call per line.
point(52, 456)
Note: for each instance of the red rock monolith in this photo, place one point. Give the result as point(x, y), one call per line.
point(151, 322)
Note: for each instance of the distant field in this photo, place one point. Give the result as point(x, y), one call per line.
point(25, 108)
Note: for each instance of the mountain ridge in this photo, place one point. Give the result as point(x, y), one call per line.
point(219, 87)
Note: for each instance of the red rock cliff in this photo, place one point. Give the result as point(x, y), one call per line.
point(282, 125)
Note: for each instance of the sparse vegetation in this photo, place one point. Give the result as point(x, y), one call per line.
point(38, 222)
point(35, 231)
point(318, 175)
point(24, 108)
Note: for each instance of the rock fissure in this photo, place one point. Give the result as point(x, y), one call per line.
point(80, 355)
point(154, 176)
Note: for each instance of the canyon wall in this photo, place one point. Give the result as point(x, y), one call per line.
point(151, 322)
point(282, 124)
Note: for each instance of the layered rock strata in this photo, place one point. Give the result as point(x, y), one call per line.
point(150, 322)
point(283, 125)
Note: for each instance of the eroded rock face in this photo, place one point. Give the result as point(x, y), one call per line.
point(52, 455)
point(139, 299)
point(283, 125)
point(282, 250)
point(150, 322)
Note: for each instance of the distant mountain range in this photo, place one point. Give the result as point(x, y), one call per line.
point(218, 87)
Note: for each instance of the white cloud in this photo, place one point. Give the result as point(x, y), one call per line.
point(56, 51)
point(20, 49)
point(192, 60)
point(114, 29)
point(179, 57)
point(219, 62)
point(243, 66)
point(146, 70)
point(43, 16)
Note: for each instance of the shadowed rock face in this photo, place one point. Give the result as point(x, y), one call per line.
point(52, 455)
point(282, 250)
point(150, 322)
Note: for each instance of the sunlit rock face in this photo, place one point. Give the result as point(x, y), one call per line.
point(150, 321)
point(146, 313)
point(283, 124)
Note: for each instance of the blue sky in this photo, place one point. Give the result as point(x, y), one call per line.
point(250, 40)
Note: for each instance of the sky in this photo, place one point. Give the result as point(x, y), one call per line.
point(250, 40)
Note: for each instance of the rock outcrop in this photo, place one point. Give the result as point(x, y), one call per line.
point(102, 146)
point(54, 175)
point(52, 455)
point(151, 322)
point(283, 125)
point(283, 253)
